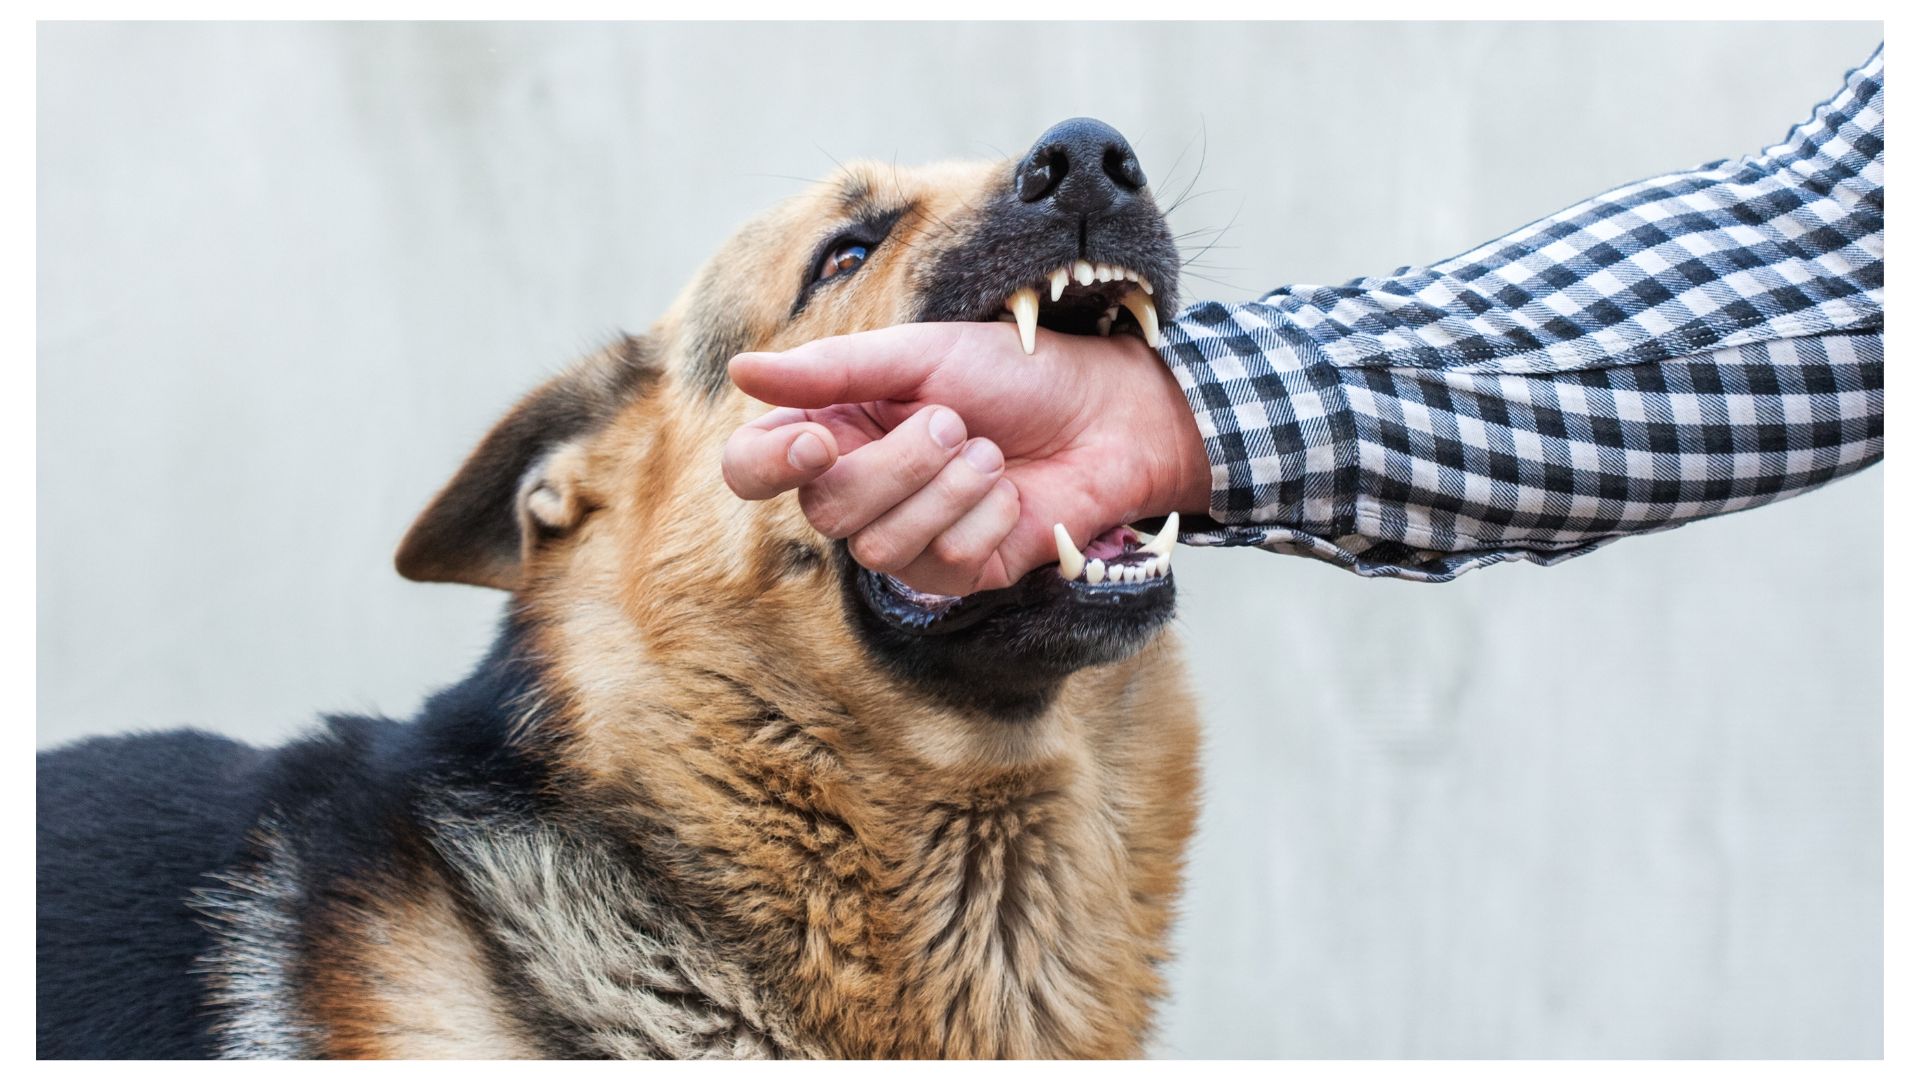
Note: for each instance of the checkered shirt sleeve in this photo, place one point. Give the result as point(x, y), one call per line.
point(1692, 344)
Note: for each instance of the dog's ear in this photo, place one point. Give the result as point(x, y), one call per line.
point(524, 480)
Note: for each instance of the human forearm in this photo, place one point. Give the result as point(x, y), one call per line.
point(1692, 344)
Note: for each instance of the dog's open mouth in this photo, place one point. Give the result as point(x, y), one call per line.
point(1121, 566)
point(1114, 569)
point(1084, 297)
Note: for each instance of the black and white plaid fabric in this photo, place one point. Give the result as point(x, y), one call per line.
point(1689, 345)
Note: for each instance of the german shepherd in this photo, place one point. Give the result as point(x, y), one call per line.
point(717, 790)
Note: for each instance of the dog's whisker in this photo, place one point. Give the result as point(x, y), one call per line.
point(1171, 169)
point(1181, 199)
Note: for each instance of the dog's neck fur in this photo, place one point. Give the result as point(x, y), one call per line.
point(889, 896)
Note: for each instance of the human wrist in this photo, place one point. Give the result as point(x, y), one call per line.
point(1183, 475)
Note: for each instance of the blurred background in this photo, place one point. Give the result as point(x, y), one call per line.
point(1625, 807)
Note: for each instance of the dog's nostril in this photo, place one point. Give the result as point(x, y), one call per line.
point(1120, 164)
point(1081, 167)
point(1040, 174)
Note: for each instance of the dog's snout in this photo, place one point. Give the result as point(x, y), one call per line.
point(1081, 167)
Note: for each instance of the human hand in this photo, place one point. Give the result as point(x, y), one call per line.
point(1089, 432)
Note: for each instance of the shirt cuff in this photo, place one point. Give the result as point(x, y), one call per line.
point(1273, 416)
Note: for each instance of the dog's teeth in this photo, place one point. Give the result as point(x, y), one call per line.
point(1133, 275)
point(1059, 279)
point(1143, 313)
point(1096, 571)
point(1102, 272)
point(1145, 284)
point(1026, 311)
point(1165, 563)
point(1104, 324)
point(1083, 271)
point(1071, 561)
point(1163, 543)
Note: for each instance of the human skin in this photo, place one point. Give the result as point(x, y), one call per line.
point(944, 455)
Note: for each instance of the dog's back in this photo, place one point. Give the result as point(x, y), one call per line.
point(127, 827)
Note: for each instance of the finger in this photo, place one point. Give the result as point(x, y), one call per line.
point(759, 463)
point(887, 363)
point(899, 536)
point(778, 418)
point(878, 476)
point(966, 557)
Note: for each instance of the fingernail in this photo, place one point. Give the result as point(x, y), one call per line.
point(807, 452)
point(983, 455)
point(946, 428)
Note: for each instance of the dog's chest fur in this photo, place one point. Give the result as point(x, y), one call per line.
point(1010, 923)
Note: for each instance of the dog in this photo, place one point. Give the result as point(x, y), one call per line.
point(717, 790)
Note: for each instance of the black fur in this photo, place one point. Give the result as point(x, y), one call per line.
point(1008, 242)
point(129, 827)
point(1008, 650)
point(126, 827)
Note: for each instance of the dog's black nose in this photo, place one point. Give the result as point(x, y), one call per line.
point(1082, 165)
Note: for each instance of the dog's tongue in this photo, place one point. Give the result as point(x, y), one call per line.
point(1114, 542)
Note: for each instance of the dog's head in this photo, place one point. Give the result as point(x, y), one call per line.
point(599, 501)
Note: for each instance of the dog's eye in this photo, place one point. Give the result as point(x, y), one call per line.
point(842, 259)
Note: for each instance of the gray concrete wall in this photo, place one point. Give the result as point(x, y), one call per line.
point(1629, 806)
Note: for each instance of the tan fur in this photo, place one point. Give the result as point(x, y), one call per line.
point(879, 874)
point(408, 981)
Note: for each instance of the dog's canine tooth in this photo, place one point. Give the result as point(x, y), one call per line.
point(1026, 311)
point(1143, 312)
point(1071, 561)
point(1096, 571)
point(1163, 543)
point(1059, 280)
point(1083, 271)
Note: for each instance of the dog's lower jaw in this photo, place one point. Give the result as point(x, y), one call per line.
point(1005, 662)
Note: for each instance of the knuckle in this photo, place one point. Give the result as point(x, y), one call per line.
point(874, 552)
point(824, 514)
point(953, 554)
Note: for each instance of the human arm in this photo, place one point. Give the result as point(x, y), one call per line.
point(1692, 344)
point(1688, 345)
